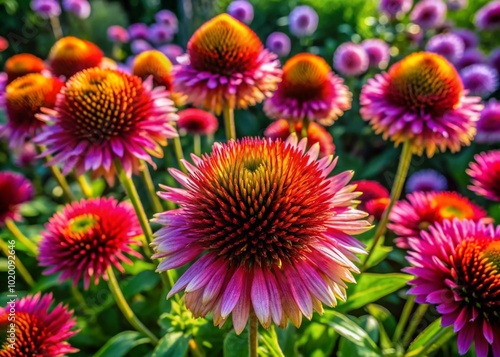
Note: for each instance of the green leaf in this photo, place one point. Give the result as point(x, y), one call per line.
point(143, 281)
point(379, 254)
point(287, 338)
point(120, 344)
point(387, 324)
point(317, 340)
point(236, 345)
point(494, 212)
point(348, 348)
point(173, 344)
point(424, 338)
point(372, 287)
point(269, 343)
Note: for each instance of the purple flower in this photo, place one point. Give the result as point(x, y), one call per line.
point(159, 34)
point(279, 43)
point(350, 59)
point(172, 51)
point(80, 8)
point(448, 45)
point(138, 46)
point(479, 79)
point(426, 180)
point(455, 5)
point(468, 37)
point(378, 52)
point(494, 59)
point(429, 14)
point(471, 56)
point(303, 21)
point(117, 33)
point(488, 17)
point(46, 8)
point(138, 31)
point(393, 8)
point(241, 10)
point(167, 18)
point(488, 126)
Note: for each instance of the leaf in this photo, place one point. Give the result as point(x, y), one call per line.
point(387, 324)
point(379, 254)
point(236, 345)
point(173, 344)
point(317, 340)
point(347, 348)
point(425, 336)
point(372, 287)
point(287, 338)
point(143, 281)
point(269, 343)
point(120, 344)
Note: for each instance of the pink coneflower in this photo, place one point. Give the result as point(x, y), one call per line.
point(21, 65)
point(378, 52)
point(168, 18)
point(241, 10)
point(309, 89)
point(280, 129)
point(303, 21)
point(426, 180)
point(485, 175)
point(38, 331)
point(279, 43)
point(470, 56)
point(421, 99)
point(23, 99)
point(118, 34)
point(197, 122)
point(479, 79)
point(87, 237)
point(268, 230)
point(488, 126)
point(488, 17)
point(127, 121)
point(394, 8)
point(350, 59)
point(429, 14)
point(226, 66)
point(374, 198)
point(448, 45)
point(15, 190)
point(455, 266)
point(422, 209)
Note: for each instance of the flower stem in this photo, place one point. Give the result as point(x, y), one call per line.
point(417, 317)
point(56, 27)
point(397, 188)
point(125, 307)
point(405, 315)
point(228, 114)
point(19, 265)
point(436, 341)
point(12, 227)
point(178, 153)
point(61, 180)
point(197, 144)
point(305, 128)
point(84, 185)
point(146, 176)
point(253, 336)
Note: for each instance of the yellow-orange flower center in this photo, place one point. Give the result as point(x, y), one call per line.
point(224, 46)
point(449, 206)
point(425, 81)
point(22, 64)
point(82, 224)
point(30, 336)
point(492, 254)
point(156, 64)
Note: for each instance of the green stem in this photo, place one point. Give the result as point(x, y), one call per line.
point(397, 188)
point(229, 126)
point(12, 227)
point(305, 128)
point(56, 27)
point(61, 180)
point(253, 336)
point(125, 307)
point(412, 327)
point(439, 339)
point(155, 200)
point(197, 144)
point(405, 315)
point(19, 265)
point(178, 153)
point(84, 185)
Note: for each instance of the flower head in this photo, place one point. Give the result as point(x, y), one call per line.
point(70, 55)
point(394, 8)
point(279, 43)
point(280, 129)
point(469, 38)
point(87, 237)
point(426, 180)
point(226, 65)
point(421, 209)
point(197, 122)
point(156, 64)
point(471, 56)
point(46, 8)
point(378, 52)
point(485, 174)
point(462, 280)
point(15, 190)
point(488, 126)
point(25, 155)
point(494, 59)
point(241, 10)
point(172, 51)
point(488, 17)
point(160, 33)
point(479, 79)
point(448, 45)
point(168, 18)
point(80, 8)
point(374, 198)
point(429, 14)
point(268, 230)
point(138, 31)
point(303, 21)
point(350, 59)
point(23, 99)
point(309, 89)
point(38, 332)
point(118, 33)
point(421, 99)
point(4, 44)
point(102, 116)
point(21, 65)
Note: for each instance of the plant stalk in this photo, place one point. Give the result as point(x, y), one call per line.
point(253, 335)
point(12, 227)
point(229, 126)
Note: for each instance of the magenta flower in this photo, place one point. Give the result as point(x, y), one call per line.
point(80, 8)
point(46, 8)
point(471, 56)
point(488, 17)
point(455, 265)
point(426, 180)
point(117, 33)
point(87, 237)
point(455, 5)
point(128, 122)
point(197, 122)
point(429, 14)
point(303, 21)
point(267, 229)
point(38, 332)
point(448, 45)
point(15, 190)
point(168, 18)
point(378, 52)
point(374, 198)
point(350, 59)
point(394, 8)
point(488, 126)
point(279, 43)
point(485, 175)
point(479, 79)
point(241, 10)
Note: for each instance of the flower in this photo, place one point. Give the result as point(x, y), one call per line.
point(350, 59)
point(394, 8)
point(127, 121)
point(156, 64)
point(22, 64)
point(378, 52)
point(429, 14)
point(160, 33)
point(172, 51)
point(241, 10)
point(303, 21)
point(455, 266)
point(479, 79)
point(422, 209)
point(25, 155)
point(309, 90)
point(279, 43)
point(268, 230)
point(80, 8)
point(448, 45)
point(471, 56)
point(46, 8)
point(118, 33)
point(421, 99)
point(138, 31)
point(376, 207)
point(488, 126)
point(87, 237)
point(23, 99)
point(226, 66)
point(485, 175)
point(38, 332)
point(494, 59)
point(197, 122)
point(488, 17)
point(455, 5)
point(70, 55)
point(280, 129)
point(4, 44)
point(374, 198)
point(426, 180)
point(139, 45)
point(168, 18)
point(468, 37)
point(15, 190)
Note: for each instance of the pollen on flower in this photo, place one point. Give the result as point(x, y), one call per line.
point(156, 64)
point(22, 64)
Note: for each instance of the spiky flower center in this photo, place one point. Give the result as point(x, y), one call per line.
point(30, 337)
point(82, 224)
point(259, 202)
point(71, 48)
point(304, 76)
point(28, 94)
point(156, 64)
point(425, 81)
point(449, 206)
point(224, 46)
point(22, 64)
